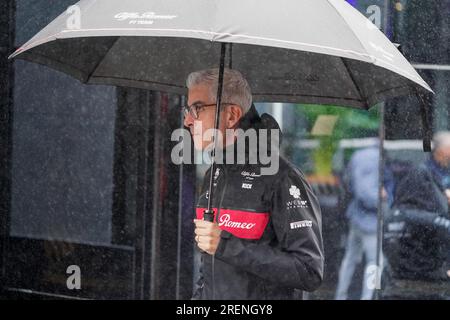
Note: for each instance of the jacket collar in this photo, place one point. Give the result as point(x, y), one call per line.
point(252, 120)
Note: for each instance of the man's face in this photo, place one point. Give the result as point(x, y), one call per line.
point(200, 95)
point(442, 156)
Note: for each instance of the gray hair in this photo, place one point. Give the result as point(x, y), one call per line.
point(235, 90)
point(441, 139)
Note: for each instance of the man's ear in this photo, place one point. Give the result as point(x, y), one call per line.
point(234, 115)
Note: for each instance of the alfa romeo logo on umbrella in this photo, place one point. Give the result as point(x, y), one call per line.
point(142, 18)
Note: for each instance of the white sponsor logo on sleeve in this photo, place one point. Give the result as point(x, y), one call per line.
point(294, 191)
point(301, 224)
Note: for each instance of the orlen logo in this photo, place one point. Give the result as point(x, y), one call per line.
point(225, 221)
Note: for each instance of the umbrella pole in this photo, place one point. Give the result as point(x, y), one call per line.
point(380, 213)
point(208, 214)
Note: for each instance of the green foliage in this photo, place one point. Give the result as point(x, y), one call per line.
point(351, 123)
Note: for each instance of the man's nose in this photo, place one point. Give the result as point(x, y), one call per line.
point(188, 120)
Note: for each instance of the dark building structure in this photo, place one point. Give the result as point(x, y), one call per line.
point(86, 180)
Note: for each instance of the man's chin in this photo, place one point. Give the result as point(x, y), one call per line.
point(198, 148)
point(201, 145)
point(197, 142)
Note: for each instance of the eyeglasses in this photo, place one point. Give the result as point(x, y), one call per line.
point(194, 109)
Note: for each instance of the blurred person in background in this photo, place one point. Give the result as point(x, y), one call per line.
point(418, 227)
point(363, 172)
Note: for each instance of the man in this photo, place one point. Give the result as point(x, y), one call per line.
point(421, 251)
point(266, 239)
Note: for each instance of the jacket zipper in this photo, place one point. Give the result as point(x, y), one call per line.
point(222, 195)
point(217, 217)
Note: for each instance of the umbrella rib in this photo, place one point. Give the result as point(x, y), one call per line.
point(354, 83)
point(390, 89)
point(27, 56)
point(101, 60)
point(146, 81)
point(304, 95)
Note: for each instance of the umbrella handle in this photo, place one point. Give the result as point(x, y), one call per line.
point(208, 215)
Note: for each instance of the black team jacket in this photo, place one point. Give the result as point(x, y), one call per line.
point(271, 241)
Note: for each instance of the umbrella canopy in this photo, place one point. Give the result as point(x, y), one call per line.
point(309, 51)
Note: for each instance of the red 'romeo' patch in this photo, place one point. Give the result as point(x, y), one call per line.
point(242, 224)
